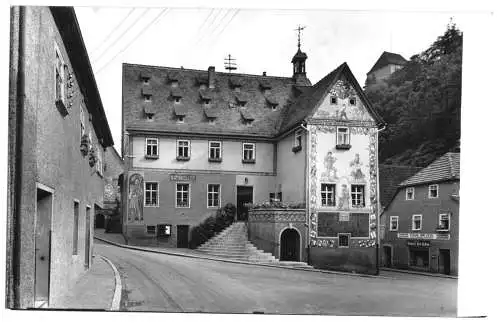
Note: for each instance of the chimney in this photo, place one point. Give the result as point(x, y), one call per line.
point(264, 74)
point(211, 77)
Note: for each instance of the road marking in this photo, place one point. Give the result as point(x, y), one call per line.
point(117, 296)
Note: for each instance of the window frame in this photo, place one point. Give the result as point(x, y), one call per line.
point(363, 196)
point(146, 205)
point(412, 192)
point(177, 206)
point(354, 99)
point(188, 149)
point(218, 196)
point(157, 145)
point(396, 218)
point(333, 100)
point(348, 239)
point(148, 98)
point(297, 139)
point(153, 233)
point(210, 158)
point(334, 195)
point(347, 133)
point(413, 222)
point(254, 152)
point(429, 191)
point(448, 215)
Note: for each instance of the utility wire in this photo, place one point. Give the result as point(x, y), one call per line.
point(121, 36)
point(220, 22)
point(208, 27)
point(133, 40)
point(206, 19)
point(229, 22)
point(113, 30)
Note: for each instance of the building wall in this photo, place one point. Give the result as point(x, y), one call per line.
point(231, 155)
point(53, 159)
point(430, 210)
point(291, 169)
point(113, 168)
point(385, 72)
point(343, 167)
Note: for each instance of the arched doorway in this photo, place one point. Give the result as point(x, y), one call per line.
point(290, 245)
point(99, 221)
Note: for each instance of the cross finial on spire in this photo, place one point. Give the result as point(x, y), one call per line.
point(299, 29)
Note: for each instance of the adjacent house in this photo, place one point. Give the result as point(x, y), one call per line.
point(58, 134)
point(195, 140)
point(386, 65)
point(422, 220)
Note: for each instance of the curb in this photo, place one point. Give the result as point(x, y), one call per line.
point(117, 295)
point(241, 262)
point(435, 275)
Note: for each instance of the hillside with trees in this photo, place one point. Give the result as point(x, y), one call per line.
point(421, 104)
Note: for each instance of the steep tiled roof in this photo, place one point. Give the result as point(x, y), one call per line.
point(390, 176)
point(446, 167)
point(388, 58)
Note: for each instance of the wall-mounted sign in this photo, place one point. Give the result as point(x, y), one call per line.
point(343, 216)
point(418, 243)
point(182, 178)
point(417, 235)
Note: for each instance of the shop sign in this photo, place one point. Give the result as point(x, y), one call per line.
point(417, 235)
point(182, 178)
point(343, 216)
point(418, 243)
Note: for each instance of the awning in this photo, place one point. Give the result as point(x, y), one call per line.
point(180, 110)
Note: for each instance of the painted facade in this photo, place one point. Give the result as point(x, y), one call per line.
point(55, 177)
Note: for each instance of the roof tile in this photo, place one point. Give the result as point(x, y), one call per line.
point(446, 167)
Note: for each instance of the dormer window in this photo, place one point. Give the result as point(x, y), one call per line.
point(247, 117)
point(180, 112)
point(206, 97)
point(333, 100)
point(241, 100)
point(180, 119)
point(145, 77)
point(147, 93)
point(147, 98)
point(177, 100)
point(237, 89)
point(174, 84)
point(173, 80)
point(176, 95)
point(273, 102)
point(352, 101)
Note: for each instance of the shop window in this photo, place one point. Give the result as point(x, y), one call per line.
point(344, 240)
point(419, 258)
point(182, 195)
point(433, 191)
point(416, 223)
point(328, 195)
point(394, 223)
point(213, 196)
point(151, 194)
point(358, 196)
point(410, 193)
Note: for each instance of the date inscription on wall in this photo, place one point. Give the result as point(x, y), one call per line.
point(332, 223)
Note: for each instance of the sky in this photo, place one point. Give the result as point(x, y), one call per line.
point(260, 40)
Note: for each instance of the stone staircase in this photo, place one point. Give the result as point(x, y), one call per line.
point(232, 243)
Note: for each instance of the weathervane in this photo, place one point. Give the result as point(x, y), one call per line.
point(228, 64)
point(299, 29)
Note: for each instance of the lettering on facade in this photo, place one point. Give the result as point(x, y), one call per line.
point(417, 235)
point(182, 178)
point(418, 243)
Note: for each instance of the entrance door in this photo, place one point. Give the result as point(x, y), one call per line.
point(444, 261)
point(244, 194)
point(290, 245)
point(388, 256)
point(87, 237)
point(42, 245)
point(99, 221)
point(182, 236)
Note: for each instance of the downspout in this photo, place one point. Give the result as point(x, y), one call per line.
point(306, 182)
point(20, 94)
point(377, 245)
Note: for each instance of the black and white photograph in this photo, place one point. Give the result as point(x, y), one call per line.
point(225, 158)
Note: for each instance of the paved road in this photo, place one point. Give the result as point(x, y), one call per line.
point(157, 282)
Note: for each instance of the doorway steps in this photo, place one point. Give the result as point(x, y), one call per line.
point(232, 243)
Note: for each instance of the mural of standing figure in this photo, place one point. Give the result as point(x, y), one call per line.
point(344, 197)
point(330, 172)
point(356, 172)
point(135, 198)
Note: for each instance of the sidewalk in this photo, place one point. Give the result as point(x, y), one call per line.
point(97, 289)
point(436, 275)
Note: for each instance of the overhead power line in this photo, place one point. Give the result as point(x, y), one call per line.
point(113, 30)
point(229, 22)
point(134, 39)
point(219, 23)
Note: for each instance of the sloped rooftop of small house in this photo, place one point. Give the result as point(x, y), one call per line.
point(446, 167)
point(390, 177)
point(388, 58)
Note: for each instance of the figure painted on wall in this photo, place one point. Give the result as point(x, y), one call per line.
point(344, 198)
point(356, 166)
point(343, 114)
point(135, 198)
point(330, 173)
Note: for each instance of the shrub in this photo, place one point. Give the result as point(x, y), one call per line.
point(212, 225)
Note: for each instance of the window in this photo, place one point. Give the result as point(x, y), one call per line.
point(394, 220)
point(82, 122)
point(297, 146)
point(352, 101)
point(248, 152)
point(416, 223)
point(433, 191)
point(151, 194)
point(444, 222)
point(180, 118)
point(182, 196)
point(76, 219)
point(410, 193)
point(59, 77)
point(419, 258)
point(274, 106)
point(275, 197)
point(344, 240)
point(183, 149)
point(147, 98)
point(177, 100)
point(343, 138)
point(151, 147)
point(214, 150)
point(213, 196)
point(151, 230)
point(328, 194)
point(333, 100)
point(164, 230)
point(358, 196)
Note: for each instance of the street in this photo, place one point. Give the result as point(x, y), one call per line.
point(158, 282)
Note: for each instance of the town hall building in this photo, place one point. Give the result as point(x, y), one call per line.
point(196, 140)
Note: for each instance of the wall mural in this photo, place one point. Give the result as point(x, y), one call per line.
point(342, 110)
point(343, 168)
point(135, 199)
